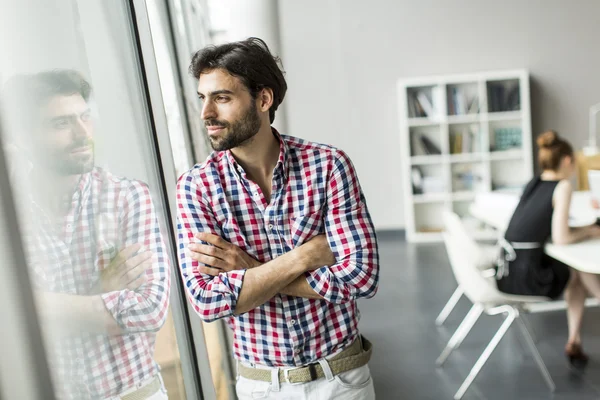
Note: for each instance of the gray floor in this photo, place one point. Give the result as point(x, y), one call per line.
point(415, 283)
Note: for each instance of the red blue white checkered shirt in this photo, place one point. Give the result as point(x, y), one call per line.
point(106, 215)
point(315, 190)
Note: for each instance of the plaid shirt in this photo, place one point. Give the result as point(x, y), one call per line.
point(314, 190)
point(106, 215)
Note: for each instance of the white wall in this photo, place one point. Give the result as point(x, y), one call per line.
point(343, 58)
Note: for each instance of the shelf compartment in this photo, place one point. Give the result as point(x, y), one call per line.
point(465, 138)
point(503, 95)
point(428, 217)
point(425, 141)
point(462, 99)
point(505, 135)
point(425, 102)
point(469, 177)
point(428, 180)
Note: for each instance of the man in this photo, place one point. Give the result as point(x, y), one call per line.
point(96, 255)
point(274, 235)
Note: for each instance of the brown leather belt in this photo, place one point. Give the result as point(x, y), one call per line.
point(354, 356)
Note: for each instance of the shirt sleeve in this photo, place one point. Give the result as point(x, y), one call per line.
point(145, 308)
point(352, 239)
point(212, 297)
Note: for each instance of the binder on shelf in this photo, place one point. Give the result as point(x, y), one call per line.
point(425, 104)
point(429, 146)
point(474, 106)
point(504, 96)
point(417, 180)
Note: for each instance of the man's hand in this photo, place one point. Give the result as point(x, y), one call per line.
point(126, 271)
point(219, 255)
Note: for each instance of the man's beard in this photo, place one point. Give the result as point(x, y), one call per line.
point(65, 164)
point(239, 133)
point(76, 167)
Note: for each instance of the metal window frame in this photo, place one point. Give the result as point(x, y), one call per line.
point(190, 336)
point(181, 41)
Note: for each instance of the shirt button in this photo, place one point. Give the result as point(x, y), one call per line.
point(297, 351)
point(270, 227)
point(69, 226)
point(292, 322)
point(255, 194)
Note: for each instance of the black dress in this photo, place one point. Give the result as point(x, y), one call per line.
point(533, 272)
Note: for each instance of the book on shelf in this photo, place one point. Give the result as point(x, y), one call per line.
point(507, 138)
point(425, 184)
point(417, 110)
point(425, 102)
point(422, 145)
point(460, 102)
point(504, 96)
point(433, 184)
point(466, 178)
point(464, 140)
point(416, 177)
point(474, 106)
point(428, 145)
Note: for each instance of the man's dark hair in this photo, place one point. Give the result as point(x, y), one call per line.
point(251, 61)
point(25, 92)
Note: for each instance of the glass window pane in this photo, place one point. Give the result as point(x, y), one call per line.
point(190, 19)
point(85, 176)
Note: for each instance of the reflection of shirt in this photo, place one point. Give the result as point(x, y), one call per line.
point(107, 214)
point(314, 190)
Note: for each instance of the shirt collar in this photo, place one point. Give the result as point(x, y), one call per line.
point(282, 163)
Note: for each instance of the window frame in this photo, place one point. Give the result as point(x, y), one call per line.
point(190, 337)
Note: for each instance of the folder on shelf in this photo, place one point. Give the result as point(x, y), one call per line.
point(429, 146)
point(425, 104)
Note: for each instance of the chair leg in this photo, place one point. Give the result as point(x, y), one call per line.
point(536, 354)
point(530, 329)
point(511, 315)
point(439, 321)
point(461, 332)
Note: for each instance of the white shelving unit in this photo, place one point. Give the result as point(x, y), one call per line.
point(461, 134)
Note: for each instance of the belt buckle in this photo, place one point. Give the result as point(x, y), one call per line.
point(286, 376)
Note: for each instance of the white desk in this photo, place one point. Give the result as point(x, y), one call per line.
point(496, 209)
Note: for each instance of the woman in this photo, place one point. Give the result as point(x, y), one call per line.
point(542, 214)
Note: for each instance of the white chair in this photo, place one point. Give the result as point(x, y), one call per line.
point(488, 254)
point(452, 301)
point(480, 288)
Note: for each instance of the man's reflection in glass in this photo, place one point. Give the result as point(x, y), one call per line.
point(96, 255)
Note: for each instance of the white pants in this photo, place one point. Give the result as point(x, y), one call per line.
point(355, 384)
